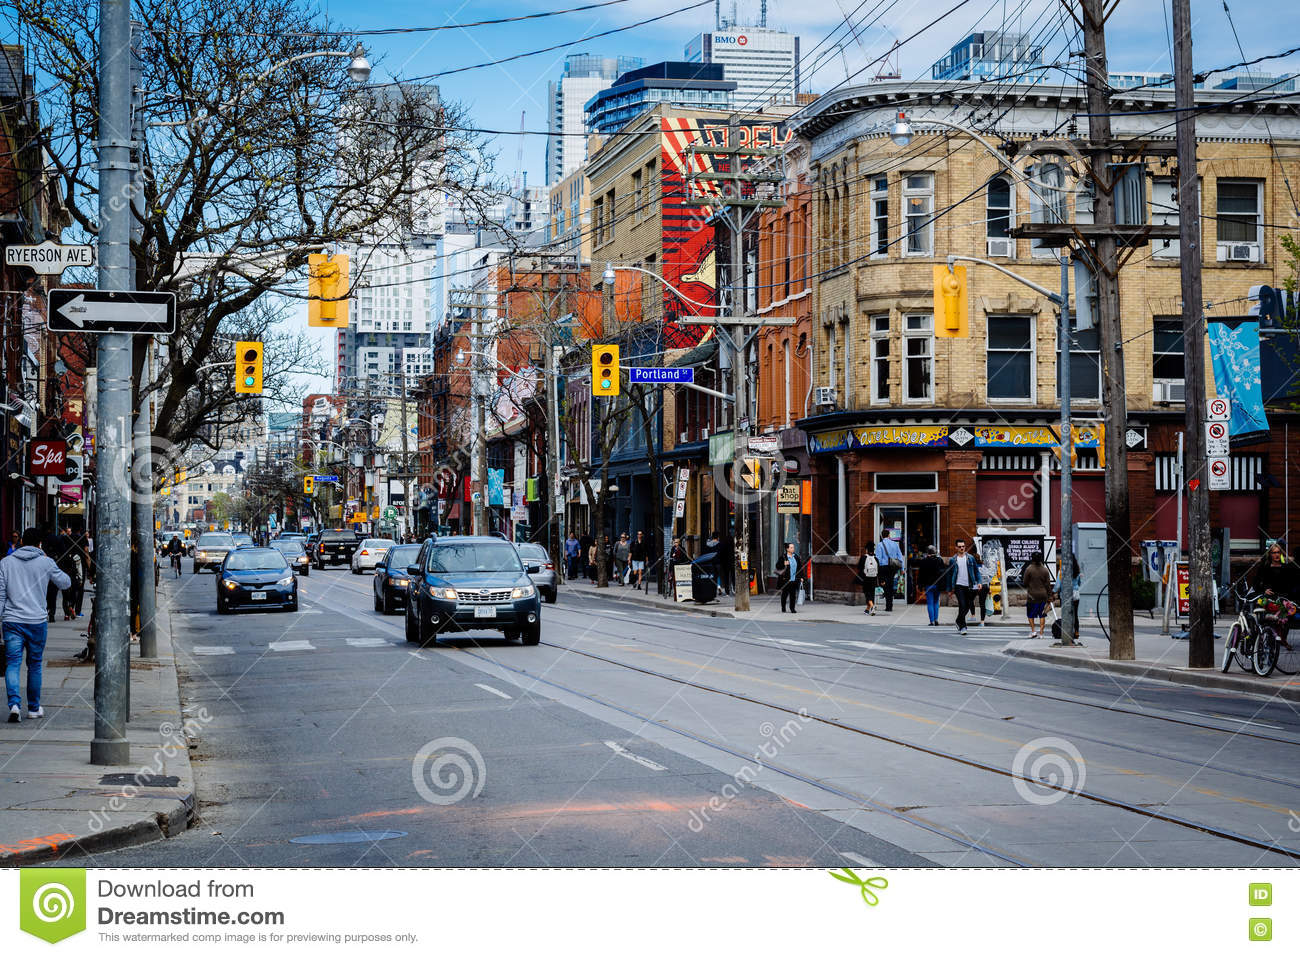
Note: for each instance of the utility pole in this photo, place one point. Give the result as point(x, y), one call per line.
point(740, 408)
point(1200, 623)
point(142, 505)
point(555, 494)
point(113, 398)
point(480, 424)
point(1119, 565)
point(1066, 545)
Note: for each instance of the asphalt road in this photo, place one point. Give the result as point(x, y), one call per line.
point(637, 737)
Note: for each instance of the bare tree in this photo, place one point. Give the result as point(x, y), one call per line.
point(257, 153)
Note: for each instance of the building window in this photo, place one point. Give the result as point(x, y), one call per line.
point(907, 481)
point(598, 217)
point(1085, 366)
point(847, 402)
point(1046, 202)
point(611, 218)
point(1164, 212)
point(918, 206)
point(1238, 212)
point(880, 359)
point(880, 216)
point(918, 350)
point(1167, 350)
point(999, 207)
point(638, 196)
point(1010, 371)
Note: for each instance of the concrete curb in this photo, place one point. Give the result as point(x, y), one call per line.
point(1258, 687)
point(148, 825)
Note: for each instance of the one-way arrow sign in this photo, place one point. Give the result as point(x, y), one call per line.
point(102, 310)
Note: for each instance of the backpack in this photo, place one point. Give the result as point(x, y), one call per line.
point(870, 567)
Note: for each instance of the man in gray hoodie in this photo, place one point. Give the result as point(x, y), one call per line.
point(24, 576)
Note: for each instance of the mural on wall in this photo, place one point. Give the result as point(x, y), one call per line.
point(690, 255)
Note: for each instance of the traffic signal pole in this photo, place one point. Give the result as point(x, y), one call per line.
point(113, 396)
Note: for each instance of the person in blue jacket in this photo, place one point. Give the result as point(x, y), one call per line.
point(963, 581)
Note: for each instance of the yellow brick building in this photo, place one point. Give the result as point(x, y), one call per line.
point(939, 437)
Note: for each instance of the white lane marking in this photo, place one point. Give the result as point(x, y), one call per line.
point(213, 650)
point(366, 642)
point(1224, 717)
point(973, 638)
point(614, 611)
point(625, 753)
point(859, 859)
point(861, 644)
point(788, 641)
point(965, 674)
point(291, 646)
point(495, 691)
point(416, 654)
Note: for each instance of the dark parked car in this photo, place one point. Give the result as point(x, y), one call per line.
point(242, 539)
point(545, 578)
point(258, 578)
point(470, 583)
point(294, 552)
point(335, 547)
point(392, 580)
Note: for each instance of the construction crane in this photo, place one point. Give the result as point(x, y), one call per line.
point(521, 177)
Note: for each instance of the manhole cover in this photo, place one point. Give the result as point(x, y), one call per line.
point(142, 780)
point(347, 837)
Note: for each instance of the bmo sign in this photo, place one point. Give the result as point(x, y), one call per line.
point(730, 39)
point(47, 457)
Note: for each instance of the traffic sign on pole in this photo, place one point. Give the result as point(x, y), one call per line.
point(49, 258)
point(1220, 476)
point(1218, 410)
point(1216, 439)
point(659, 375)
point(104, 310)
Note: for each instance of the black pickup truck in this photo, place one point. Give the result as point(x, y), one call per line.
point(335, 547)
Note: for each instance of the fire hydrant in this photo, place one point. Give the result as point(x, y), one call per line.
point(995, 592)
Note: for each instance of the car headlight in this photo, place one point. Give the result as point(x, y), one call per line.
point(525, 591)
point(203, 554)
point(447, 594)
point(285, 581)
point(401, 582)
point(232, 585)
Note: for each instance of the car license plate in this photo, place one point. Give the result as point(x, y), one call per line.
point(485, 611)
point(258, 596)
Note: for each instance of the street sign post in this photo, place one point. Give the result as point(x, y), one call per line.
point(1216, 439)
point(49, 258)
point(1218, 410)
point(1220, 475)
point(658, 375)
point(103, 310)
point(326, 478)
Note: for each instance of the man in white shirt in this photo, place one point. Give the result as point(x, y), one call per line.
point(890, 559)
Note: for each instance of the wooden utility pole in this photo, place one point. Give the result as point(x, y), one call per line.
point(1119, 565)
point(1200, 630)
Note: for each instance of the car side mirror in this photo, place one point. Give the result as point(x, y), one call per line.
point(412, 569)
point(534, 569)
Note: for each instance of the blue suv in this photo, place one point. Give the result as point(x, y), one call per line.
point(471, 583)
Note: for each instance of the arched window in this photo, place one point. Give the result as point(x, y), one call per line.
point(1000, 217)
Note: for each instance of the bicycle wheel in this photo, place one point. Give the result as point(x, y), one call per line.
point(1265, 656)
point(1288, 655)
point(1230, 645)
point(1245, 648)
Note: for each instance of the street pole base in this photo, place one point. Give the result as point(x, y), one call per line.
point(110, 751)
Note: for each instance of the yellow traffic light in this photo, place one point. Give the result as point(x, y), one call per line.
point(327, 290)
point(248, 368)
point(951, 308)
point(308, 485)
point(605, 373)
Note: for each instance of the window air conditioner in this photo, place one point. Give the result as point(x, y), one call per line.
point(825, 395)
point(1169, 390)
point(1238, 252)
point(1002, 247)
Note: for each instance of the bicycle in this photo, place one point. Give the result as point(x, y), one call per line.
point(1243, 636)
point(1274, 614)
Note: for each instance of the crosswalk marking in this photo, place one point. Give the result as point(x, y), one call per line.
point(625, 753)
point(291, 646)
point(859, 859)
point(788, 641)
point(489, 688)
point(213, 650)
point(368, 641)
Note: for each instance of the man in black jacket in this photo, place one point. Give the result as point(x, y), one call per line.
point(789, 571)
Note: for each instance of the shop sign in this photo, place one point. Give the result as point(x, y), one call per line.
point(763, 444)
point(1089, 435)
point(47, 457)
point(789, 500)
point(880, 437)
point(1015, 436)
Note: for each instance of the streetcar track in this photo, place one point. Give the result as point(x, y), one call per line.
point(1084, 793)
point(983, 684)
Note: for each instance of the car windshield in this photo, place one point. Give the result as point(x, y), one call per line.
point(255, 559)
point(531, 550)
point(474, 557)
point(378, 543)
point(288, 548)
point(403, 555)
point(213, 539)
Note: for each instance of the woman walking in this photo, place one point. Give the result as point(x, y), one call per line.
point(868, 573)
point(1038, 592)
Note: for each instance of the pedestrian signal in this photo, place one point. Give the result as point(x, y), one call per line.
point(327, 290)
point(951, 308)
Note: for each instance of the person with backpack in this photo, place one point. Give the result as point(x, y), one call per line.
point(1038, 593)
point(24, 577)
point(868, 572)
point(174, 551)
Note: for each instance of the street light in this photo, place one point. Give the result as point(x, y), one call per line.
point(901, 132)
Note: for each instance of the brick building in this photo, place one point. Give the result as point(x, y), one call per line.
point(940, 437)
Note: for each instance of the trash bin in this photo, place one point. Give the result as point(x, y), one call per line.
point(704, 578)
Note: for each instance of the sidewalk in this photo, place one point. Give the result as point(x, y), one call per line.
point(52, 800)
point(1155, 655)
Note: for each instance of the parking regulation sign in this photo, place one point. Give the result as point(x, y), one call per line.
point(1218, 410)
point(1216, 439)
point(1220, 474)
